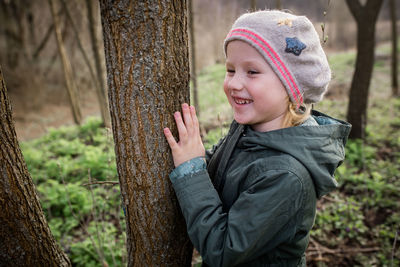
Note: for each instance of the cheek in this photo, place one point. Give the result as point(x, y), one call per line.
point(226, 90)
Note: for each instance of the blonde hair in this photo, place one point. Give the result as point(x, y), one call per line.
point(296, 114)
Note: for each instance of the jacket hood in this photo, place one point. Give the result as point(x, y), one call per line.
point(318, 144)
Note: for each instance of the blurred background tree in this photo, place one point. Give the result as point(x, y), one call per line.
point(394, 69)
point(366, 16)
point(70, 83)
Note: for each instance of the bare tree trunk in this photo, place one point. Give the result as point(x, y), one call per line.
point(366, 17)
point(278, 4)
point(101, 97)
point(395, 81)
point(148, 74)
point(25, 237)
point(30, 19)
point(253, 5)
point(69, 81)
point(100, 88)
point(13, 32)
point(193, 73)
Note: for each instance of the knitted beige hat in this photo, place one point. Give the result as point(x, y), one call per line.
point(292, 48)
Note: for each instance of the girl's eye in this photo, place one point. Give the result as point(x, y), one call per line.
point(230, 71)
point(253, 72)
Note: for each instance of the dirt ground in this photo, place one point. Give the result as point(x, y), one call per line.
point(33, 120)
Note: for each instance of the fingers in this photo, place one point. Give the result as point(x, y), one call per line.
point(187, 116)
point(180, 125)
point(196, 125)
point(187, 122)
point(170, 138)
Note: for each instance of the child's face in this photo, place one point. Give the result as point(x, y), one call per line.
point(256, 94)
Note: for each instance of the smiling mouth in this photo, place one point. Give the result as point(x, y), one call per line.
point(241, 101)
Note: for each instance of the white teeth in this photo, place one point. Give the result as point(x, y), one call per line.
point(242, 101)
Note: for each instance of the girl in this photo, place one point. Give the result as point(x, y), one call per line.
point(251, 201)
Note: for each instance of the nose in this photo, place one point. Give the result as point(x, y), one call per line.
point(236, 82)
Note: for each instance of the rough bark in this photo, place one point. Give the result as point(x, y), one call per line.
point(69, 80)
point(366, 17)
point(148, 78)
point(193, 72)
point(100, 88)
point(25, 237)
point(394, 69)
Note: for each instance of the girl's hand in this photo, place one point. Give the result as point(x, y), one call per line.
point(190, 144)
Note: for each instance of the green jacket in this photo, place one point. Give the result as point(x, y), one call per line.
point(255, 203)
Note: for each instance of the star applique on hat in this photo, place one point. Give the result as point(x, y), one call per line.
point(294, 45)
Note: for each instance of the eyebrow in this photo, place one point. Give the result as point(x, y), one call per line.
point(246, 62)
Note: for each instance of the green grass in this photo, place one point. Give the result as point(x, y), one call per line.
point(86, 220)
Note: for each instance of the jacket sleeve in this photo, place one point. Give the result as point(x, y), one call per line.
point(258, 221)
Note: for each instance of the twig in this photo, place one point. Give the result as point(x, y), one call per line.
point(317, 246)
point(94, 203)
point(320, 249)
point(332, 199)
point(73, 213)
point(101, 182)
point(394, 247)
point(325, 37)
point(345, 250)
point(79, 42)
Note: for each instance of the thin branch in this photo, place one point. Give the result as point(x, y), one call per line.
point(46, 37)
point(101, 182)
point(79, 42)
point(314, 251)
point(394, 247)
point(73, 213)
point(44, 41)
point(94, 203)
point(333, 199)
point(320, 249)
point(323, 25)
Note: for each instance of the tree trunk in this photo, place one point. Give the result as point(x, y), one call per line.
point(278, 4)
point(366, 17)
point(25, 237)
point(148, 74)
point(100, 88)
point(69, 81)
point(253, 5)
point(395, 81)
point(193, 73)
point(13, 32)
